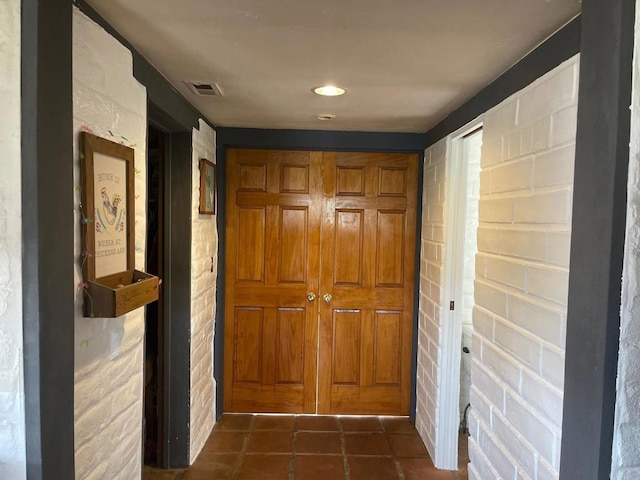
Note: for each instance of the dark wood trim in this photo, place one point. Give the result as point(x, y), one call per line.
point(563, 45)
point(47, 235)
point(597, 239)
point(177, 284)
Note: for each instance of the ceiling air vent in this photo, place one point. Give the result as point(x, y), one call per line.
point(204, 89)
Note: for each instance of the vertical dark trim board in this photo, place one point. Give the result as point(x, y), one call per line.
point(597, 240)
point(177, 284)
point(47, 236)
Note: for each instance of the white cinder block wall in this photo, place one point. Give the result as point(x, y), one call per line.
point(522, 270)
point(626, 441)
point(12, 429)
point(204, 270)
point(430, 306)
point(108, 395)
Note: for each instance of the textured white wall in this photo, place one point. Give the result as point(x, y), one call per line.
point(12, 430)
point(626, 441)
point(204, 248)
point(522, 270)
point(108, 393)
point(431, 284)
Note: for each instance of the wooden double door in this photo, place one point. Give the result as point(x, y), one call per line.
point(320, 274)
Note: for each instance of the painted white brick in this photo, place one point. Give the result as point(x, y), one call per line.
point(491, 297)
point(526, 244)
point(529, 424)
point(496, 210)
point(542, 320)
point(521, 344)
point(564, 126)
point(108, 352)
point(501, 365)
point(505, 271)
point(541, 394)
point(558, 248)
point(522, 262)
point(554, 167)
point(12, 415)
point(548, 283)
point(554, 92)
point(512, 176)
point(204, 257)
point(544, 207)
point(523, 454)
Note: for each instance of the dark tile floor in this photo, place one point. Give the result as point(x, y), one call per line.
point(261, 447)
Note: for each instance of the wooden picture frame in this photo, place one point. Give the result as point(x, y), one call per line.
point(113, 286)
point(208, 187)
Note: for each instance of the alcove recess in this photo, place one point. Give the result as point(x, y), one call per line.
point(113, 286)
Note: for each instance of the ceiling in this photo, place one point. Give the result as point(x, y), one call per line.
point(406, 64)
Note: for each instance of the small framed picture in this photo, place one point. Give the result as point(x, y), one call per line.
point(207, 187)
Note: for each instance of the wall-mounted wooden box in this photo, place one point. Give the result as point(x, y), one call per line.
point(113, 286)
point(120, 293)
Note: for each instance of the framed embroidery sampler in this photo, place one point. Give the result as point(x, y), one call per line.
point(113, 286)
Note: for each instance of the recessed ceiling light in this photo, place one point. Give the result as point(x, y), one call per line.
point(329, 91)
point(325, 116)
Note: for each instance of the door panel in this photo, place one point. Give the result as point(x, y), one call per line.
point(367, 267)
point(341, 224)
point(273, 242)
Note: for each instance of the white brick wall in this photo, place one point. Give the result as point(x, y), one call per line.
point(12, 430)
point(521, 280)
point(204, 248)
point(626, 441)
point(108, 405)
point(431, 284)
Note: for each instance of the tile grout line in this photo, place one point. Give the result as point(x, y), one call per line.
point(243, 450)
point(396, 462)
point(343, 447)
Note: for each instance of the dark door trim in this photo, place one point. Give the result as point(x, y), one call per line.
point(47, 237)
point(597, 238)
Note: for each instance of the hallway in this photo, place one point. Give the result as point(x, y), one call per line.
point(257, 447)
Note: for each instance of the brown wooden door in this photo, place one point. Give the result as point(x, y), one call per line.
point(338, 224)
point(273, 246)
point(368, 251)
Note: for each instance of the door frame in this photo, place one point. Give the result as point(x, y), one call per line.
point(448, 392)
point(314, 140)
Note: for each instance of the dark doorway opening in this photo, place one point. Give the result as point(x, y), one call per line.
point(154, 318)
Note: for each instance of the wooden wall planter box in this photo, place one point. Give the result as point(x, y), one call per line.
point(117, 294)
point(113, 286)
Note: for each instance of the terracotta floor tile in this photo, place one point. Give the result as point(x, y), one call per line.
point(367, 444)
point(265, 467)
point(318, 442)
point(319, 467)
point(270, 442)
point(234, 421)
point(423, 469)
point(317, 423)
point(372, 468)
point(408, 446)
point(398, 425)
point(218, 467)
point(224, 442)
point(275, 422)
point(361, 424)
point(151, 473)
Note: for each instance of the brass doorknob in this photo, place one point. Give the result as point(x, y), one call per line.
point(311, 296)
point(327, 298)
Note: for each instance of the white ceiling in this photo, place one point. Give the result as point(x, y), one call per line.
point(405, 64)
